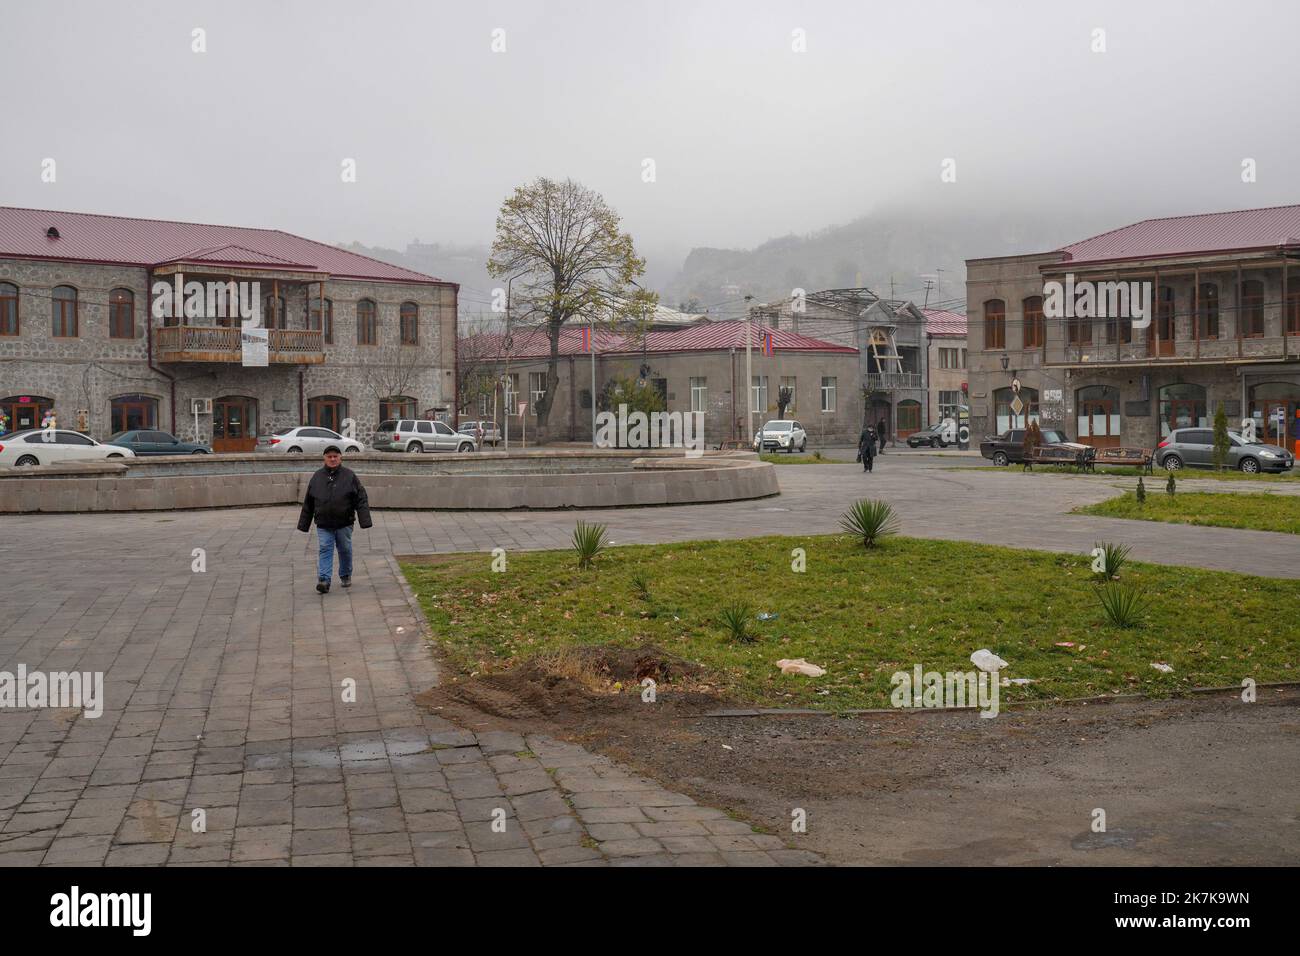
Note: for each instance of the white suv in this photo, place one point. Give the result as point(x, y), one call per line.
point(783, 435)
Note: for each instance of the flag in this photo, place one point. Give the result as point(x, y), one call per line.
point(586, 338)
point(769, 343)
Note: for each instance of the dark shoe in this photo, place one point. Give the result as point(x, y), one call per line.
point(322, 587)
point(346, 582)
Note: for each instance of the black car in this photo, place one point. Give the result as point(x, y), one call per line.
point(932, 436)
point(1009, 447)
point(146, 441)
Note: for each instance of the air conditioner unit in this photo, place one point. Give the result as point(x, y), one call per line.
point(202, 406)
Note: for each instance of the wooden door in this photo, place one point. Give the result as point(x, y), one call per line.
point(234, 424)
point(1099, 424)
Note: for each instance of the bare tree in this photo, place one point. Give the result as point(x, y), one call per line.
point(392, 373)
point(478, 353)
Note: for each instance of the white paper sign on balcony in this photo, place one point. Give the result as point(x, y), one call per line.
point(255, 343)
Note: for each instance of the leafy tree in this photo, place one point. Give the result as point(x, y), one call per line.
point(1221, 440)
point(564, 252)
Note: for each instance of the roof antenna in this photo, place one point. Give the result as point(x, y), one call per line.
point(51, 233)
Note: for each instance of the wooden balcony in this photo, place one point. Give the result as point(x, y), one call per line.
point(209, 343)
point(893, 381)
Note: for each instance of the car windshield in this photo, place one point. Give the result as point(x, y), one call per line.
point(1051, 435)
point(388, 426)
point(777, 427)
point(1244, 440)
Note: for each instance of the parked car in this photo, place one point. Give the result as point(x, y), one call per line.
point(416, 435)
point(148, 442)
point(39, 446)
point(491, 432)
point(306, 440)
point(932, 436)
point(781, 434)
point(1194, 447)
point(1009, 447)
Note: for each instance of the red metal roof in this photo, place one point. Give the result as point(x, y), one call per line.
point(1244, 229)
point(705, 337)
point(943, 322)
point(84, 237)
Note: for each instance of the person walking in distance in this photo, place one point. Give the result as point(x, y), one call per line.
point(866, 447)
point(882, 434)
point(335, 499)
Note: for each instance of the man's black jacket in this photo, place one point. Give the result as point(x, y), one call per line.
point(334, 498)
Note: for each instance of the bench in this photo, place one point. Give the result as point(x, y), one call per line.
point(735, 444)
point(1139, 458)
point(1081, 458)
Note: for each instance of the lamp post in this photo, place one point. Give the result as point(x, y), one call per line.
point(509, 343)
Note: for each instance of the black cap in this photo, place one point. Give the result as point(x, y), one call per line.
point(333, 448)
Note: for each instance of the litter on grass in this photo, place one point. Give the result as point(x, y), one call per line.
point(987, 661)
point(800, 666)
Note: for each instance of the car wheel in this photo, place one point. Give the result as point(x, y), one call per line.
point(1171, 463)
point(464, 447)
point(1249, 465)
point(198, 451)
point(1000, 459)
point(294, 451)
point(415, 448)
point(26, 460)
point(934, 443)
point(113, 455)
point(355, 450)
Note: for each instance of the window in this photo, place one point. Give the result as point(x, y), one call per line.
point(1004, 405)
point(397, 407)
point(66, 438)
point(442, 428)
point(367, 323)
point(1292, 311)
point(314, 319)
point(1034, 331)
point(273, 316)
point(131, 412)
point(424, 428)
point(1182, 406)
point(512, 393)
point(64, 302)
point(1251, 324)
point(1166, 309)
point(700, 394)
point(8, 309)
point(410, 323)
point(327, 411)
point(1207, 311)
point(828, 393)
point(788, 381)
point(995, 324)
point(1078, 331)
point(121, 314)
point(758, 393)
point(536, 389)
point(952, 358)
point(908, 417)
point(949, 404)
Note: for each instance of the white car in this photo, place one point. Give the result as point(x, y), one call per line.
point(781, 435)
point(42, 446)
point(306, 440)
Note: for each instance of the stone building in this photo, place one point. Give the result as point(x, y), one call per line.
point(1067, 325)
point(90, 331)
point(700, 367)
point(945, 334)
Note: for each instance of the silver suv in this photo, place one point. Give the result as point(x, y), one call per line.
point(1194, 447)
point(416, 435)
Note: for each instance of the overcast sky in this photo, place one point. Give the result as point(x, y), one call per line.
point(749, 138)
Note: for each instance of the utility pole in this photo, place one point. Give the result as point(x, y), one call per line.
point(927, 293)
point(749, 371)
point(938, 274)
point(509, 348)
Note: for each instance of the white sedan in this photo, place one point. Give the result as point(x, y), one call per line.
point(306, 440)
point(45, 446)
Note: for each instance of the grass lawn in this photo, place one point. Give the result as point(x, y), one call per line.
point(779, 459)
point(1261, 512)
point(866, 614)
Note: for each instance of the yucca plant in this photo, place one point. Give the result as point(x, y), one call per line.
point(1124, 605)
point(1113, 557)
point(588, 540)
point(870, 521)
point(735, 618)
point(641, 586)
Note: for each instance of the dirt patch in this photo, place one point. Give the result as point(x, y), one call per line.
point(925, 787)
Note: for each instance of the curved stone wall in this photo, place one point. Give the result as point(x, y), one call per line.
point(484, 481)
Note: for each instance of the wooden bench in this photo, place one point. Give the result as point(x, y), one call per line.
point(1080, 458)
point(1139, 458)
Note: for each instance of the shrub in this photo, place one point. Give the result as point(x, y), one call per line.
point(735, 618)
point(870, 521)
point(1113, 557)
point(1124, 605)
point(1141, 491)
point(588, 540)
point(641, 586)
point(1222, 444)
point(1170, 485)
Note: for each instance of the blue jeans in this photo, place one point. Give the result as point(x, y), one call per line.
point(329, 538)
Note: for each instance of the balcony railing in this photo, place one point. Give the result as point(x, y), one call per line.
point(1145, 351)
point(209, 343)
point(892, 381)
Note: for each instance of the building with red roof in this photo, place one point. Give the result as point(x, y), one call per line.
point(114, 324)
point(1123, 337)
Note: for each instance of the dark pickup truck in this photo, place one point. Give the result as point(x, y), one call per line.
point(1009, 447)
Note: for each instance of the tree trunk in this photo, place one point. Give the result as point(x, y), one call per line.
point(552, 381)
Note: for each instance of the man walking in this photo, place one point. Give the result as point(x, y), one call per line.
point(335, 498)
point(882, 433)
point(866, 447)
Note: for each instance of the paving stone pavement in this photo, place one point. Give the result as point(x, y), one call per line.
point(224, 688)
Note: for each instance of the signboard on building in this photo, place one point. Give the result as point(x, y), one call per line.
point(256, 347)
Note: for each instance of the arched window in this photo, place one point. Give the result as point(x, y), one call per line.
point(995, 324)
point(1098, 410)
point(367, 323)
point(273, 316)
point(1250, 322)
point(314, 319)
point(130, 412)
point(8, 308)
point(327, 411)
point(121, 314)
point(399, 406)
point(21, 412)
point(410, 323)
point(1034, 331)
point(1009, 414)
point(1182, 406)
point(1207, 310)
point(64, 305)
